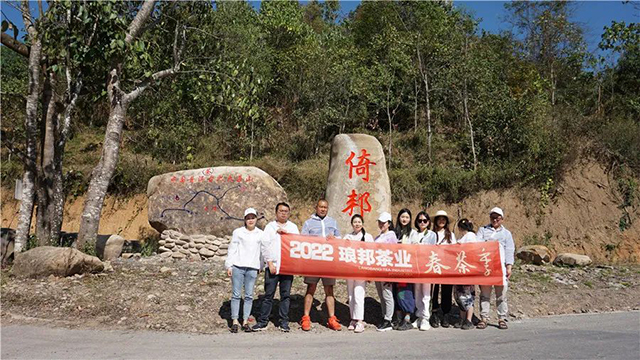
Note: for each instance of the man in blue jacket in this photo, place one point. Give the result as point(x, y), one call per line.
point(320, 225)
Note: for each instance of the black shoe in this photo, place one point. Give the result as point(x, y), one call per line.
point(434, 321)
point(445, 321)
point(404, 326)
point(457, 324)
point(234, 328)
point(246, 328)
point(385, 326)
point(467, 325)
point(259, 326)
point(284, 327)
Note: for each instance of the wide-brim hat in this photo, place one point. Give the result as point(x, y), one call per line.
point(441, 213)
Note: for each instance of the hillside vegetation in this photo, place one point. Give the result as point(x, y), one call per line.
point(458, 110)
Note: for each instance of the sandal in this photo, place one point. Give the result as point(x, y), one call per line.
point(482, 324)
point(502, 325)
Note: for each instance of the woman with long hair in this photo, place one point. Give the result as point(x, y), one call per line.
point(357, 288)
point(405, 300)
point(243, 262)
point(385, 289)
point(466, 294)
point(423, 236)
point(440, 309)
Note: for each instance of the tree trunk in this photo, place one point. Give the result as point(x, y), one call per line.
point(415, 105)
point(390, 124)
point(30, 125)
point(465, 103)
point(428, 104)
point(47, 167)
point(103, 172)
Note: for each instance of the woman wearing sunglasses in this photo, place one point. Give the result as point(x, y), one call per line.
point(423, 236)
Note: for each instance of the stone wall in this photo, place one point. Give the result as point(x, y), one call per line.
point(176, 245)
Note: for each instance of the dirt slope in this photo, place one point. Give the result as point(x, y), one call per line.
point(582, 216)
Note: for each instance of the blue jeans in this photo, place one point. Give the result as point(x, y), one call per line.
point(242, 276)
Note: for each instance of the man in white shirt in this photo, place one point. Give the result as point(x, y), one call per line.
point(271, 253)
point(494, 231)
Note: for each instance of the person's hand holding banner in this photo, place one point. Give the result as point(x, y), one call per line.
point(464, 264)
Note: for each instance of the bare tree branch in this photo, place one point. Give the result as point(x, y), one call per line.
point(15, 45)
point(141, 17)
point(28, 21)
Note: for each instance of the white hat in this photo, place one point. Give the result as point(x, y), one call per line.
point(496, 210)
point(441, 213)
point(384, 217)
point(250, 211)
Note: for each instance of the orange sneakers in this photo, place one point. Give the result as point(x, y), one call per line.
point(305, 323)
point(334, 324)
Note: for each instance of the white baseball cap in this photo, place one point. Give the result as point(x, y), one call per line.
point(250, 211)
point(384, 217)
point(496, 210)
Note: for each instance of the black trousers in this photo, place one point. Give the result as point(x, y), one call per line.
point(270, 283)
point(445, 292)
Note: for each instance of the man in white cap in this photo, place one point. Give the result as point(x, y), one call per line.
point(494, 231)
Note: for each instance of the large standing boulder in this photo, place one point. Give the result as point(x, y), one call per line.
point(58, 261)
point(534, 254)
point(211, 200)
point(113, 247)
point(358, 182)
point(568, 259)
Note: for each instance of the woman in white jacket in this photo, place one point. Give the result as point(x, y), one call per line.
point(356, 288)
point(423, 236)
point(243, 262)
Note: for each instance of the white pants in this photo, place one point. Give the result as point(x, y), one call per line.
point(356, 289)
point(423, 300)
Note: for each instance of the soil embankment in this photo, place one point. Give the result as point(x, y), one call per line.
point(580, 215)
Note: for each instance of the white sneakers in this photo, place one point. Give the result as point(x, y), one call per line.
point(422, 324)
point(352, 325)
point(359, 327)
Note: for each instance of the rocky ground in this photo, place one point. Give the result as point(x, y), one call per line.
point(170, 295)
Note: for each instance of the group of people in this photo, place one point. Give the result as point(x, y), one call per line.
point(420, 306)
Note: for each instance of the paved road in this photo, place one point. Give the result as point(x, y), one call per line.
point(610, 336)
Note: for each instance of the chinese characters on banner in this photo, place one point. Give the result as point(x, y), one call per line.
point(361, 169)
point(464, 264)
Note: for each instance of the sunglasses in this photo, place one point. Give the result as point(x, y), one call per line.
point(424, 221)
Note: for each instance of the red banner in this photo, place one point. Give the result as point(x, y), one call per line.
point(463, 264)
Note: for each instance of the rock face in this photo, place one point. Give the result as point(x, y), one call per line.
point(113, 247)
point(212, 200)
point(358, 182)
point(568, 259)
point(175, 245)
point(58, 261)
point(534, 254)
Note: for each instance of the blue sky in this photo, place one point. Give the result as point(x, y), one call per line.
point(592, 15)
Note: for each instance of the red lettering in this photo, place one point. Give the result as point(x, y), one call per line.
point(362, 167)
